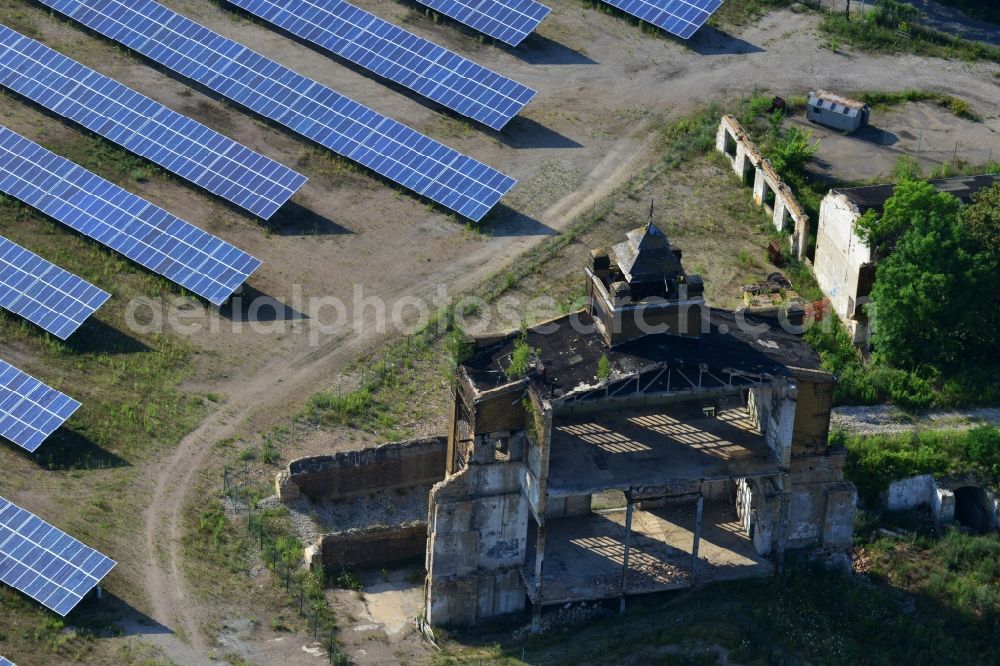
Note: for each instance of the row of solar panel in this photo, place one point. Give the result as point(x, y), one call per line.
point(400, 56)
point(44, 294)
point(304, 106)
point(6, 662)
point(30, 411)
point(178, 144)
point(44, 562)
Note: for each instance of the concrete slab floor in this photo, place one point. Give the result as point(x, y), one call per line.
point(584, 555)
point(654, 447)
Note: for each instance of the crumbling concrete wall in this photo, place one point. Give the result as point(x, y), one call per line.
point(351, 473)
point(370, 548)
point(478, 525)
point(821, 504)
point(842, 263)
point(749, 164)
point(937, 495)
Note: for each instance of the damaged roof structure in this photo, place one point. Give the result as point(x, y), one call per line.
point(708, 426)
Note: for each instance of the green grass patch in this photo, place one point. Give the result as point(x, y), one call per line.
point(876, 35)
point(873, 462)
point(882, 99)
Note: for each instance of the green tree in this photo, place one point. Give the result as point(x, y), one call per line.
point(791, 152)
point(935, 294)
point(983, 219)
point(911, 200)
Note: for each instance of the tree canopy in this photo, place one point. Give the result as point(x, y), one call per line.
point(911, 200)
point(936, 294)
point(983, 219)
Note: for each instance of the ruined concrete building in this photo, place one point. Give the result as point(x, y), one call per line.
point(844, 264)
point(646, 443)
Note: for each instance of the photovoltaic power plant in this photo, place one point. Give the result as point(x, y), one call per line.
point(177, 143)
point(509, 21)
point(400, 56)
point(44, 294)
point(124, 222)
point(678, 17)
point(45, 563)
point(314, 111)
point(30, 411)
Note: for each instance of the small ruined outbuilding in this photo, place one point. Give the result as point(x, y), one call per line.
point(844, 264)
point(704, 432)
point(841, 113)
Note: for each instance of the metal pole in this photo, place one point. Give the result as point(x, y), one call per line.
point(628, 542)
point(697, 534)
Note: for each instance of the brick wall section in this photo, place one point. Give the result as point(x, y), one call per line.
point(351, 473)
point(374, 547)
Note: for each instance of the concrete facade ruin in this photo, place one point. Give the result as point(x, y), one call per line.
point(708, 426)
point(844, 265)
point(769, 190)
point(317, 485)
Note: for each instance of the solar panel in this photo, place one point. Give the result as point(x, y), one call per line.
point(385, 146)
point(177, 143)
point(30, 411)
point(45, 563)
point(6, 662)
point(400, 56)
point(43, 293)
point(126, 223)
point(510, 21)
point(678, 17)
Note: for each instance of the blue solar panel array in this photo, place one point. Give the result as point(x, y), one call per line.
point(400, 56)
point(45, 563)
point(43, 293)
point(385, 146)
point(30, 411)
point(177, 143)
point(678, 17)
point(510, 21)
point(126, 223)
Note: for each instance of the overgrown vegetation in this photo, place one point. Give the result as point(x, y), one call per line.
point(874, 461)
point(742, 12)
point(892, 27)
point(808, 615)
point(882, 99)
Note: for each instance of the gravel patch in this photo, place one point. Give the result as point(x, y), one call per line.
point(889, 419)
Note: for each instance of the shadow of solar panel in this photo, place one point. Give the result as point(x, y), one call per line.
point(678, 17)
point(400, 56)
point(44, 294)
point(126, 223)
point(304, 106)
point(177, 143)
point(30, 411)
point(509, 21)
point(44, 562)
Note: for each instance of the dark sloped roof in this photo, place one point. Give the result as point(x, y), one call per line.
point(875, 196)
point(646, 255)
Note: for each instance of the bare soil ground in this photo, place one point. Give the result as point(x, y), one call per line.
point(603, 87)
point(919, 130)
